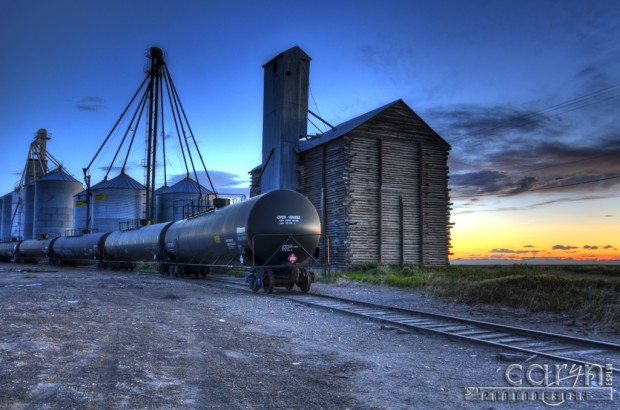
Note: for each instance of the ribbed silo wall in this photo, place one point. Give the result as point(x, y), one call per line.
point(16, 226)
point(160, 204)
point(53, 205)
point(171, 200)
point(7, 215)
point(170, 205)
point(80, 209)
point(111, 206)
point(27, 211)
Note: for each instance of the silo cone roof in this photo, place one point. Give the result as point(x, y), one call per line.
point(123, 181)
point(162, 189)
point(187, 185)
point(58, 175)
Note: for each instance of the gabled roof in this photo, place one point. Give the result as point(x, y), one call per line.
point(294, 49)
point(352, 124)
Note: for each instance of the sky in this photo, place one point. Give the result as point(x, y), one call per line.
point(526, 92)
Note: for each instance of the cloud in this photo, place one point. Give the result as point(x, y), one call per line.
point(486, 182)
point(482, 182)
point(507, 150)
point(557, 169)
point(564, 247)
point(90, 104)
point(528, 246)
point(478, 124)
point(114, 170)
point(504, 250)
point(590, 247)
point(223, 182)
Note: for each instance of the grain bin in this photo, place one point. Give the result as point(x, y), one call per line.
point(53, 202)
point(117, 201)
point(159, 211)
point(170, 201)
point(7, 215)
point(26, 196)
point(80, 210)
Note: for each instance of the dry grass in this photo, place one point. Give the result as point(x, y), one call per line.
point(586, 292)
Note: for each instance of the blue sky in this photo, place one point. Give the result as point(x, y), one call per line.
point(526, 92)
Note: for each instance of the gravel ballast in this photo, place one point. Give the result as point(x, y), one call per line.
point(79, 338)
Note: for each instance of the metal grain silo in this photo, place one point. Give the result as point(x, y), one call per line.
point(53, 202)
point(7, 214)
point(26, 196)
point(115, 201)
point(170, 201)
point(80, 210)
point(159, 204)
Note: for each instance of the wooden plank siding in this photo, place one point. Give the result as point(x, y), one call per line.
point(381, 190)
point(321, 174)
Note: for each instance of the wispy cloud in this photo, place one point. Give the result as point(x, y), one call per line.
point(496, 153)
point(504, 250)
point(90, 104)
point(223, 182)
point(564, 247)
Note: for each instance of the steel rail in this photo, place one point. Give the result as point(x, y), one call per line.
point(550, 345)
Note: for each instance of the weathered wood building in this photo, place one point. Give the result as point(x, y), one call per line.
point(379, 181)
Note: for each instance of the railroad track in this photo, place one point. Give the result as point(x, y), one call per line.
point(559, 347)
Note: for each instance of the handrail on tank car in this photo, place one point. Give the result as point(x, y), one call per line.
point(290, 236)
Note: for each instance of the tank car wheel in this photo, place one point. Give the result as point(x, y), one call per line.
point(253, 283)
point(305, 282)
point(268, 281)
point(293, 277)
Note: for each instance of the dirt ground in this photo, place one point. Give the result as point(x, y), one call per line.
point(79, 338)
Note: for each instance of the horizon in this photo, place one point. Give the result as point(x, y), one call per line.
point(526, 93)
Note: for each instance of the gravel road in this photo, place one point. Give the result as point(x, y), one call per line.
point(78, 338)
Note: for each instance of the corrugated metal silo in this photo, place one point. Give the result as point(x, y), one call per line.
point(27, 210)
point(7, 215)
point(159, 204)
point(117, 201)
point(16, 226)
point(53, 202)
point(35, 168)
point(80, 208)
point(170, 202)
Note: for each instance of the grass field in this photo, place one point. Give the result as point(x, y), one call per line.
point(583, 292)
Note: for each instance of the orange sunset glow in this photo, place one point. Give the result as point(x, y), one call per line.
point(563, 232)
